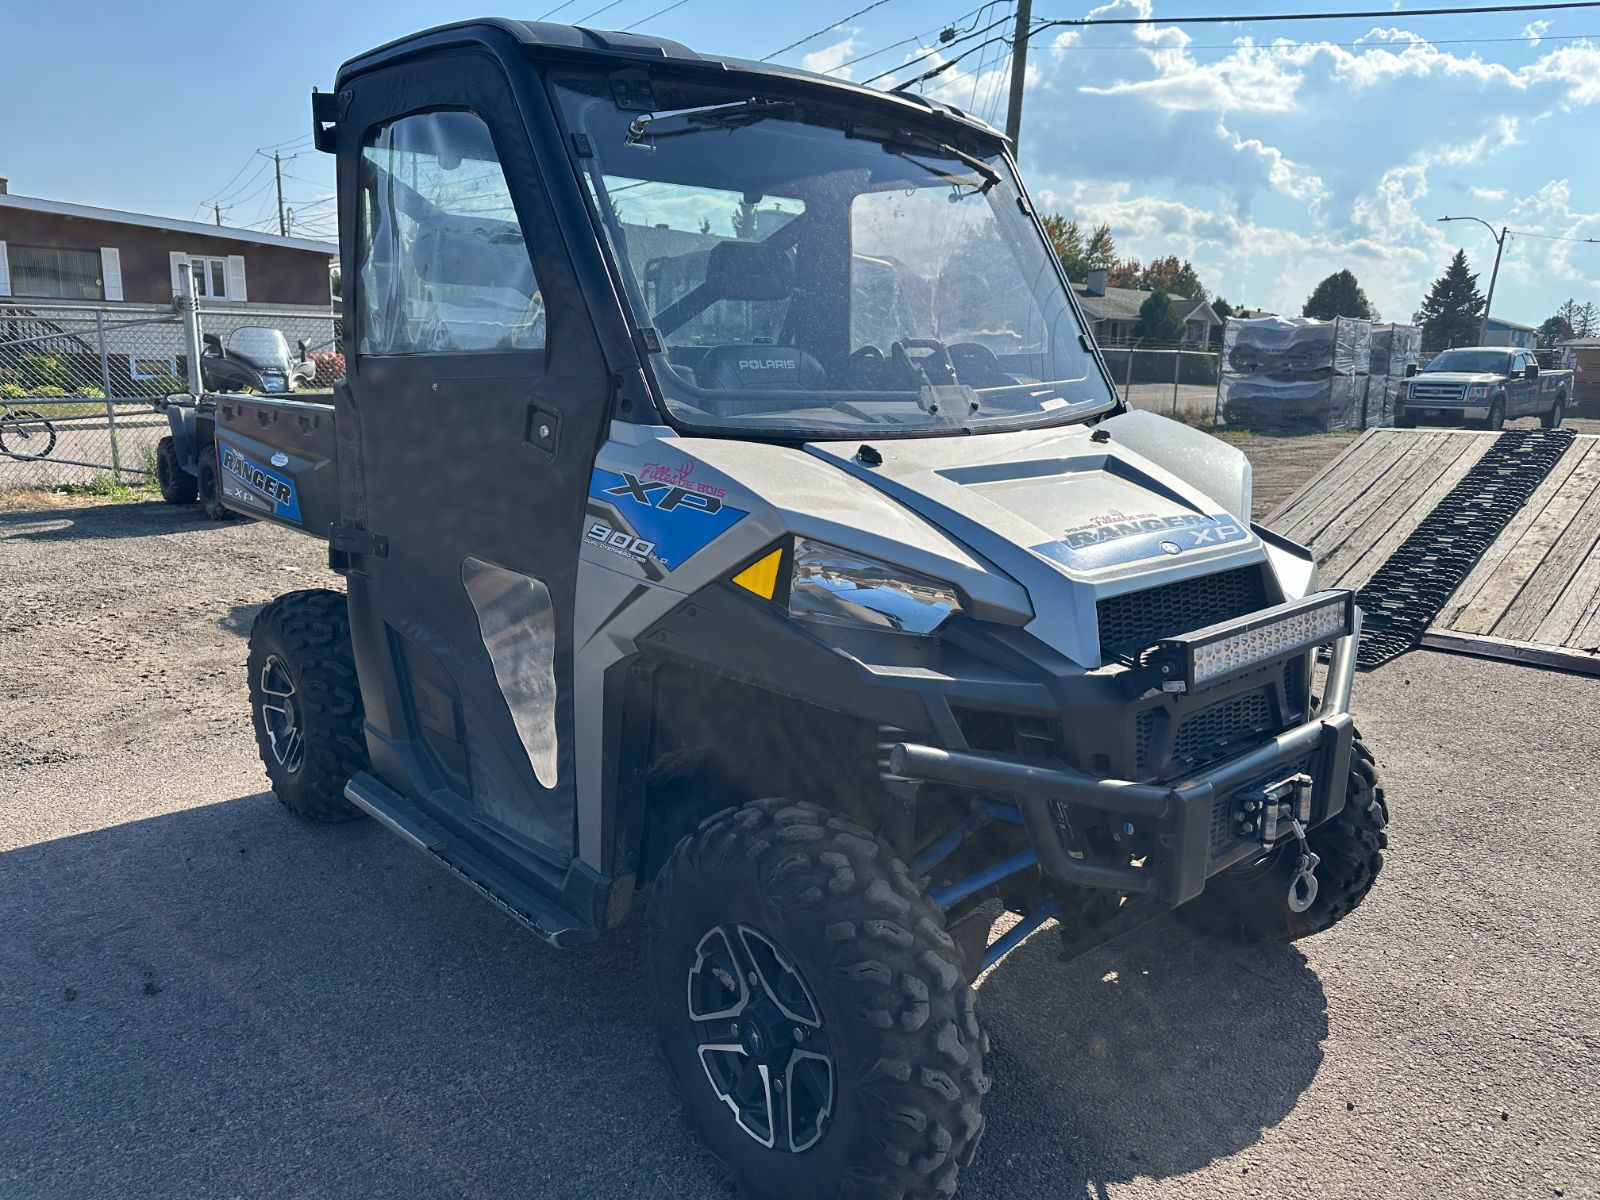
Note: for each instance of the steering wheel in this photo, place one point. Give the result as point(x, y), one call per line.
point(977, 365)
point(933, 366)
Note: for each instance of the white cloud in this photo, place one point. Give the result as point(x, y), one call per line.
point(828, 59)
point(1535, 30)
point(1291, 178)
point(1483, 193)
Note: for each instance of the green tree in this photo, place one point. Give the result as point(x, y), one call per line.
point(705, 224)
point(1452, 311)
point(1589, 325)
point(1102, 248)
point(1173, 277)
point(1222, 308)
point(1158, 324)
point(1554, 331)
point(1339, 295)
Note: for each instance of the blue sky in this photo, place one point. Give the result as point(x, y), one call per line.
point(1269, 154)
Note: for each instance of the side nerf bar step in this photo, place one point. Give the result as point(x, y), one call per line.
point(528, 905)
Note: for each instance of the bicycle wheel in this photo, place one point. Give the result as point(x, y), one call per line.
point(26, 434)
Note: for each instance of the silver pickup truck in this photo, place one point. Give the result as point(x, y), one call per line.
point(1485, 386)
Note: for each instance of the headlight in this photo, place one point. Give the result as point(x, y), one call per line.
point(1477, 391)
point(837, 587)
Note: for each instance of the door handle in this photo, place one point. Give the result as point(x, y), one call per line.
point(543, 431)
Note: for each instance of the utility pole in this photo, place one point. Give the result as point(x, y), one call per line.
point(277, 171)
point(1499, 249)
point(1019, 71)
point(217, 208)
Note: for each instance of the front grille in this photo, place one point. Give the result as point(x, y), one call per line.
point(1134, 620)
point(1205, 736)
point(1423, 392)
point(1218, 730)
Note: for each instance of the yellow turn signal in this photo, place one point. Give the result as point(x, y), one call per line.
point(761, 576)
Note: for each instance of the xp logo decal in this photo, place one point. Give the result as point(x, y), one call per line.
point(255, 486)
point(1107, 543)
point(670, 497)
point(666, 520)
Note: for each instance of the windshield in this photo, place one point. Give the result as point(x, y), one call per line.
point(265, 349)
point(1475, 362)
point(802, 280)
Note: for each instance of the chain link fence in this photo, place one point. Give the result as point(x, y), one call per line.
point(1178, 381)
point(78, 382)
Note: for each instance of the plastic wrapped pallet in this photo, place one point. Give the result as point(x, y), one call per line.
point(1295, 375)
point(1394, 349)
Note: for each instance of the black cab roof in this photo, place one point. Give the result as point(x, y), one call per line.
point(605, 48)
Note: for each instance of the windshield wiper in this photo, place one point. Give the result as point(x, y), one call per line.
point(713, 116)
point(907, 144)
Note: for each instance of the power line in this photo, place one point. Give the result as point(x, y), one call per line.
point(1283, 44)
point(919, 37)
point(660, 12)
point(1366, 14)
point(835, 25)
point(1553, 237)
point(614, 3)
point(940, 49)
point(552, 12)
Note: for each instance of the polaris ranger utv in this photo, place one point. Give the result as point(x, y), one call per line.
point(735, 510)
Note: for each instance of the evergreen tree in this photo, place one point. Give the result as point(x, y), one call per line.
point(1339, 295)
point(1590, 326)
point(1222, 308)
point(1452, 312)
point(1158, 323)
point(744, 222)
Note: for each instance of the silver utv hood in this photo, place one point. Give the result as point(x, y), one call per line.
point(1077, 513)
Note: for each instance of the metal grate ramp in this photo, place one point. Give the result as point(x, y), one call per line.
point(1406, 593)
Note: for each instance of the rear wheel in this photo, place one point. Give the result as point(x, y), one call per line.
point(209, 487)
point(177, 485)
point(811, 1011)
point(1250, 903)
point(1552, 419)
point(305, 702)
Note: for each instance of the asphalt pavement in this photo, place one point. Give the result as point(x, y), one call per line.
point(202, 997)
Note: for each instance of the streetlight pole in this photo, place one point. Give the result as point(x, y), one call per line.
point(1499, 249)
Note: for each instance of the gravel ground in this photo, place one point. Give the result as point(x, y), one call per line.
point(200, 996)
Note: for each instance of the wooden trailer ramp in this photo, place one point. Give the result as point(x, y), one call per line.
point(1486, 544)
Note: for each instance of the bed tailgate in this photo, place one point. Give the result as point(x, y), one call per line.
point(276, 460)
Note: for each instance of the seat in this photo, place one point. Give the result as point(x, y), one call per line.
point(760, 367)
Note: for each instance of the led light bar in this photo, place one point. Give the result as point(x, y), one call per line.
point(1197, 660)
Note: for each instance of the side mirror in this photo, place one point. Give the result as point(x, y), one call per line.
point(1531, 371)
point(1411, 369)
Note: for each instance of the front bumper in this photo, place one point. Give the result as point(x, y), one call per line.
point(1185, 811)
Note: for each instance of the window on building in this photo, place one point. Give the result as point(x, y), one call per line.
point(210, 277)
point(443, 265)
point(57, 274)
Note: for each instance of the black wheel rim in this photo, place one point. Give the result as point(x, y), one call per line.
point(760, 1038)
point(280, 715)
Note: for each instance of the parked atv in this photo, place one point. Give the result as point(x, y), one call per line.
point(737, 517)
point(256, 359)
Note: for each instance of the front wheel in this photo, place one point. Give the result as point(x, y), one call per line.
point(305, 702)
point(1250, 903)
point(209, 487)
point(1497, 415)
point(810, 1010)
